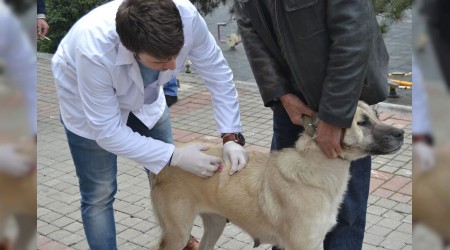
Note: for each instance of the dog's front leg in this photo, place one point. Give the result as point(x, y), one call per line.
point(213, 227)
point(27, 230)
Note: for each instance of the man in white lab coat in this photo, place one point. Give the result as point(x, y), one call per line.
point(109, 72)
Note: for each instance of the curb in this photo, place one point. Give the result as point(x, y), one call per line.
point(396, 108)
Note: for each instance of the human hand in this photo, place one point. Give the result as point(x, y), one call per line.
point(295, 108)
point(42, 27)
point(12, 162)
point(329, 139)
point(191, 159)
point(235, 154)
point(423, 156)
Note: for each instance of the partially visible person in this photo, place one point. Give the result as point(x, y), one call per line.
point(318, 58)
point(20, 61)
point(171, 91)
point(436, 13)
point(42, 25)
point(423, 153)
point(109, 71)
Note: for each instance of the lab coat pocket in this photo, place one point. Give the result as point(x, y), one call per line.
point(149, 114)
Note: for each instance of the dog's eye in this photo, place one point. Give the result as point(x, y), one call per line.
point(363, 123)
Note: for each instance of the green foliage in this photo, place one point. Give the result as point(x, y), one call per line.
point(206, 7)
point(61, 15)
point(390, 11)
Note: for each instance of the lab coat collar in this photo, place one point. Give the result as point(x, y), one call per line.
point(124, 56)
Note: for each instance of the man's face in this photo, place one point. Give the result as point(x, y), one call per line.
point(155, 63)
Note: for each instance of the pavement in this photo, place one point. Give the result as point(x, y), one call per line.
point(59, 220)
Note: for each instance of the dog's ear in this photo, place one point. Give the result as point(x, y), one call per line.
point(353, 136)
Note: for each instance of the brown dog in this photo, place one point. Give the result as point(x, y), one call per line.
point(431, 196)
point(289, 198)
point(18, 199)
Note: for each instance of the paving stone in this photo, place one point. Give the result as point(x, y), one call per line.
point(374, 219)
point(394, 215)
point(405, 228)
point(373, 239)
point(401, 198)
point(386, 203)
point(396, 183)
point(382, 193)
point(379, 230)
point(389, 223)
point(404, 208)
point(376, 210)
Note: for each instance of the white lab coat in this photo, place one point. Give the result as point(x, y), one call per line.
point(99, 82)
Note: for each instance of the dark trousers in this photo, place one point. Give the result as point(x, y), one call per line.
point(348, 234)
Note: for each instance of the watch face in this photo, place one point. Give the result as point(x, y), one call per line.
point(240, 138)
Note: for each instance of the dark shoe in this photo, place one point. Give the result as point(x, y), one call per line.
point(192, 244)
point(276, 248)
point(171, 100)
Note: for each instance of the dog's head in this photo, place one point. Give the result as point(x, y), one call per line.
point(369, 136)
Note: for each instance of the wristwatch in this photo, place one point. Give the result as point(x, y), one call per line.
point(236, 137)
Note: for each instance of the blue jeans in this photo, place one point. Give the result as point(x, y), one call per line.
point(96, 169)
point(171, 87)
point(348, 234)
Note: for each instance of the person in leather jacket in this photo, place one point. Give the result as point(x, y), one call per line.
point(317, 57)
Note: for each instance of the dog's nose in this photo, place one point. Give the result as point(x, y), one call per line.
point(398, 133)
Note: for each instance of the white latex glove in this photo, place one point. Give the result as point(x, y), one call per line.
point(191, 159)
point(12, 162)
point(235, 154)
point(424, 157)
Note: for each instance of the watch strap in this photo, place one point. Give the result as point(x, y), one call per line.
point(236, 137)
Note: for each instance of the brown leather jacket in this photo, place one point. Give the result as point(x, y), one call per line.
point(330, 53)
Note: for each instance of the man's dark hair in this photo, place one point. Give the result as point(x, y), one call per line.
point(150, 26)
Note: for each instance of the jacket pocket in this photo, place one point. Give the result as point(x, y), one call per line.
point(306, 18)
point(293, 5)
